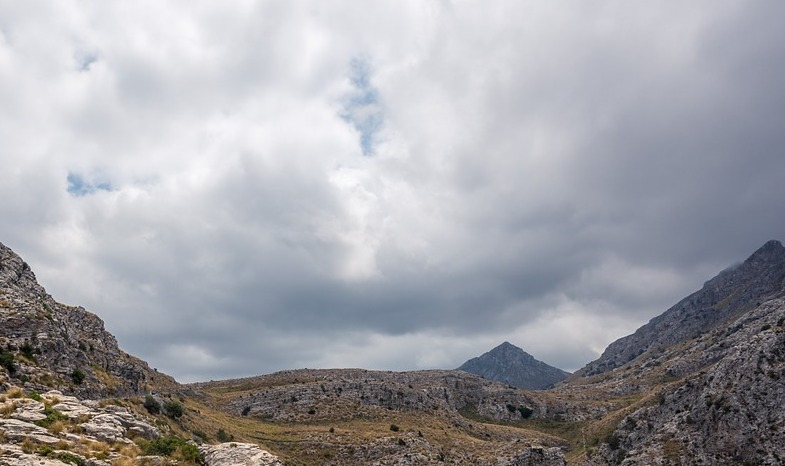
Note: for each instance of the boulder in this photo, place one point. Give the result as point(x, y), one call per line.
point(238, 454)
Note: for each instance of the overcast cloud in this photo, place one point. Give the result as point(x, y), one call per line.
point(243, 187)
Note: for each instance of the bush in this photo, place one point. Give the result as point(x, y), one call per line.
point(28, 351)
point(7, 361)
point(394, 428)
point(189, 452)
point(162, 446)
point(52, 416)
point(173, 409)
point(173, 446)
point(222, 436)
point(77, 376)
point(152, 405)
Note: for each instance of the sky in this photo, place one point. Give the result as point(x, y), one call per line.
point(243, 187)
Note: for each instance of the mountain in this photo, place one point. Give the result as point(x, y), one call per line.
point(48, 345)
point(511, 365)
point(733, 292)
point(704, 380)
point(700, 384)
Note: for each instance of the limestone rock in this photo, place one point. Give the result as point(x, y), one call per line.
point(62, 347)
point(15, 429)
point(728, 295)
point(12, 455)
point(537, 456)
point(238, 454)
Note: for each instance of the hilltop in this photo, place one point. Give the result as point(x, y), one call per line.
point(509, 364)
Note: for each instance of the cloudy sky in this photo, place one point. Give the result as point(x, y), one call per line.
point(241, 187)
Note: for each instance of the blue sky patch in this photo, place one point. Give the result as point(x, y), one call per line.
point(362, 109)
point(78, 186)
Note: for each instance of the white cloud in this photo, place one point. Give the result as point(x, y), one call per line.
point(436, 176)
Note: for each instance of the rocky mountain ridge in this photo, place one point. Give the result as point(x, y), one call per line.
point(700, 384)
point(45, 344)
point(511, 365)
point(731, 293)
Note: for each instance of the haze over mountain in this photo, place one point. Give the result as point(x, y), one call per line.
point(511, 365)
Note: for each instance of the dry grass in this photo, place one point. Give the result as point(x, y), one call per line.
point(56, 427)
point(14, 392)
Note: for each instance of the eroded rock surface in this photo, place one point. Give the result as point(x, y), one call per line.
point(238, 454)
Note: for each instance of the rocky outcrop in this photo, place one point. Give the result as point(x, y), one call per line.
point(728, 413)
point(733, 292)
point(47, 345)
point(310, 395)
point(53, 429)
point(238, 454)
point(511, 365)
point(538, 456)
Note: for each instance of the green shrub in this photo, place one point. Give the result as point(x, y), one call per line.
point(173, 409)
point(52, 415)
point(28, 351)
point(222, 436)
point(173, 446)
point(77, 376)
point(67, 457)
point(7, 361)
point(394, 428)
point(162, 446)
point(36, 396)
point(190, 452)
point(152, 405)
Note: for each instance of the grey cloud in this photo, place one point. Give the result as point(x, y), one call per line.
point(545, 172)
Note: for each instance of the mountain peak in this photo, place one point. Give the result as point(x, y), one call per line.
point(771, 252)
point(732, 292)
point(510, 364)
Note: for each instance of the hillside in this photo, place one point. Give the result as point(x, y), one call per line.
point(48, 345)
point(511, 365)
point(700, 384)
point(730, 294)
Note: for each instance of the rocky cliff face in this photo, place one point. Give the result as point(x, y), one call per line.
point(726, 296)
point(726, 412)
point(317, 395)
point(708, 388)
point(47, 345)
point(511, 365)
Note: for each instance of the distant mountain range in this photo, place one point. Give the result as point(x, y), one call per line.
point(701, 383)
point(511, 365)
